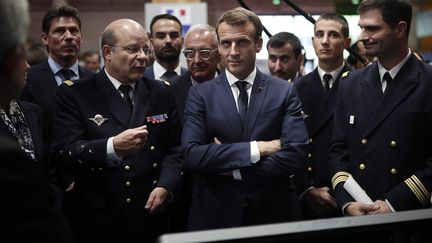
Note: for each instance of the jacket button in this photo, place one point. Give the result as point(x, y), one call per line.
point(152, 148)
point(362, 166)
point(310, 156)
point(127, 183)
point(309, 168)
point(393, 171)
point(364, 141)
point(393, 144)
point(127, 167)
point(155, 165)
point(128, 200)
point(310, 140)
point(154, 182)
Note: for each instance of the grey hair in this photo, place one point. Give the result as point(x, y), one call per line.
point(202, 28)
point(14, 22)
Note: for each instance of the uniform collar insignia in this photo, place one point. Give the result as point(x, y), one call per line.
point(98, 119)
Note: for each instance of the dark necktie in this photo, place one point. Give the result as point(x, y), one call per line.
point(242, 100)
point(125, 91)
point(67, 74)
point(168, 75)
point(327, 77)
point(387, 78)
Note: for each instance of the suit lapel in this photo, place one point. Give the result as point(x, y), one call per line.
point(371, 88)
point(259, 91)
point(51, 84)
point(403, 84)
point(112, 100)
point(141, 103)
point(227, 105)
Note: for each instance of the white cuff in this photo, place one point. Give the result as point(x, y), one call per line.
point(237, 175)
point(111, 154)
point(254, 152)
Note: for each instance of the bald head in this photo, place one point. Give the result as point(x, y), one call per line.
point(125, 49)
point(119, 29)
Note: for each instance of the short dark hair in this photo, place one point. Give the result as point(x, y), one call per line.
point(91, 53)
point(239, 16)
point(392, 11)
point(282, 38)
point(165, 16)
point(59, 10)
point(338, 18)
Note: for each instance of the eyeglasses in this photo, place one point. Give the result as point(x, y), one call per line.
point(135, 50)
point(204, 54)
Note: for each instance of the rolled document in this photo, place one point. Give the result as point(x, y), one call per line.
point(354, 189)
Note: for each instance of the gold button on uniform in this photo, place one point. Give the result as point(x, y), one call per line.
point(309, 168)
point(154, 182)
point(152, 148)
point(309, 156)
point(393, 171)
point(155, 165)
point(127, 183)
point(393, 144)
point(127, 167)
point(128, 200)
point(310, 140)
point(364, 141)
point(362, 166)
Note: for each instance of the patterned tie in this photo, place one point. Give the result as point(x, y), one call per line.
point(327, 77)
point(67, 74)
point(242, 100)
point(125, 91)
point(168, 75)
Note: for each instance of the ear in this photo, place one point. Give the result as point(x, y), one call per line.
point(107, 53)
point(258, 44)
point(347, 42)
point(401, 29)
point(44, 39)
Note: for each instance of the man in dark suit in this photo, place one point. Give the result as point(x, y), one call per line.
point(202, 57)
point(27, 209)
point(121, 143)
point(318, 91)
point(61, 34)
point(285, 56)
point(242, 152)
point(382, 127)
point(166, 37)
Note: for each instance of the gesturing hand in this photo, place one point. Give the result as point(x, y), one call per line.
point(130, 141)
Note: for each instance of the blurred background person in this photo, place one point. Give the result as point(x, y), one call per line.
point(167, 40)
point(285, 56)
point(91, 60)
point(30, 212)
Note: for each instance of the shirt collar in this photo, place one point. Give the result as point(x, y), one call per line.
point(55, 67)
point(394, 71)
point(232, 79)
point(159, 70)
point(117, 83)
point(334, 73)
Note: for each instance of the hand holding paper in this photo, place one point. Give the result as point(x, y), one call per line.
point(354, 189)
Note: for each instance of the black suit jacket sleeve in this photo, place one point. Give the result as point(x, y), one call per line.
point(28, 211)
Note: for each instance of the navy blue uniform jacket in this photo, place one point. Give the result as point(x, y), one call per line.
point(116, 192)
point(384, 140)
